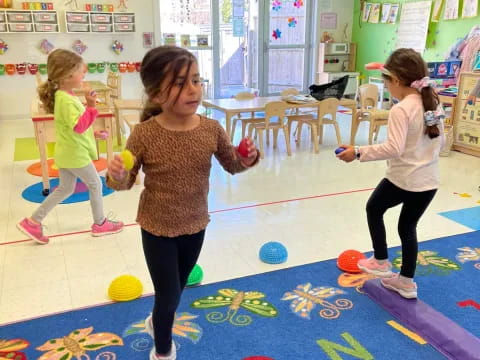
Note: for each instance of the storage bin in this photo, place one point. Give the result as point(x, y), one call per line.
point(124, 27)
point(20, 27)
point(78, 28)
point(14, 17)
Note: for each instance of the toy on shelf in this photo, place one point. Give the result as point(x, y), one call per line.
point(10, 69)
point(99, 7)
point(131, 67)
point(101, 67)
point(122, 67)
point(2, 69)
point(5, 4)
point(36, 6)
point(92, 68)
point(114, 67)
point(3, 47)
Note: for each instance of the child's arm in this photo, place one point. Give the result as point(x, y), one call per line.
point(85, 120)
point(117, 177)
point(395, 144)
point(227, 154)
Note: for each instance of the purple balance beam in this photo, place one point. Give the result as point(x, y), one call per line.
point(443, 334)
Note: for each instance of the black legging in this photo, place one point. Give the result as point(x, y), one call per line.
point(386, 196)
point(169, 261)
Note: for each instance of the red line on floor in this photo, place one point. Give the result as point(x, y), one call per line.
point(221, 210)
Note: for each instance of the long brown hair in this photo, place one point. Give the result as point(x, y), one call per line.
point(408, 66)
point(157, 65)
point(60, 65)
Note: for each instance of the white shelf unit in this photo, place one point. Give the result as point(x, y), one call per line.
point(99, 22)
point(29, 21)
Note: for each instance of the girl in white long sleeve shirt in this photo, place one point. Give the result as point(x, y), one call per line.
point(415, 137)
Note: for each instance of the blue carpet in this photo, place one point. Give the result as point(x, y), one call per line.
point(469, 217)
point(33, 193)
point(275, 318)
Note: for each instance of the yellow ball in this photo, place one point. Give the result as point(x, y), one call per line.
point(125, 288)
point(128, 159)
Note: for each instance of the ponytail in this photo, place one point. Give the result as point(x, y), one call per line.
point(430, 103)
point(46, 93)
point(150, 110)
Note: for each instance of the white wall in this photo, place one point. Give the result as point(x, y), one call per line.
point(17, 91)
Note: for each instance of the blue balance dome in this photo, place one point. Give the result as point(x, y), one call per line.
point(273, 253)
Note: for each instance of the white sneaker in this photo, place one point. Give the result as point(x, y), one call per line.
point(171, 356)
point(149, 326)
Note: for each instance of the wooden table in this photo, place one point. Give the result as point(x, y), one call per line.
point(231, 106)
point(124, 104)
point(44, 125)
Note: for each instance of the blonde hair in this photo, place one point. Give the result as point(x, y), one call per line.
point(60, 64)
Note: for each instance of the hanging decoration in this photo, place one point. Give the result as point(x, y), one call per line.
point(117, 47)
point(276, 5)
point(292, 22)
point(32, 68)
point(21, 68)
point(276, 34)
point(114, 67)
point(101, 67)
point(10, 69)
point(42, 69)
point(2, 69)
point(123, 67)
point(92, 68)
point(46, 46)
point(298, 4)
point(79, 47)
point(3, 47)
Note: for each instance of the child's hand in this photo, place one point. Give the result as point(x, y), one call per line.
point(247, 151)
point(91, 97)
point(116, 169)
point(471, 100)
point(347, 155)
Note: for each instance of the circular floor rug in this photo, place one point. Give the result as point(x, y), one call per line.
point(33, 193)
point(36, 169)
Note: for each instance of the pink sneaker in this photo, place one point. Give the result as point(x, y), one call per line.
point(107, 228)
point(33, 230)
point(371, 266)
point(407, 289)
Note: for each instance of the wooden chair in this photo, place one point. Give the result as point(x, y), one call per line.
point(368, 97)
point(114, 82)
point(327, 107)
point(245, 95)
point(274, 109)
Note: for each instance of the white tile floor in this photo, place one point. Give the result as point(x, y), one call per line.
point(75, 270)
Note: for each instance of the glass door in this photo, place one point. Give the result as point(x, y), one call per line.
point(287, 42)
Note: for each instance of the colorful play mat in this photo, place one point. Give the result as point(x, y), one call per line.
point(36, 168)
point(309, 312)
point(33, 193)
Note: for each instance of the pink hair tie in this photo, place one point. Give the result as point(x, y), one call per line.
point(423, 83)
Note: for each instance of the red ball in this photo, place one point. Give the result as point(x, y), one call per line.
point(243, 147)
point(347, 261)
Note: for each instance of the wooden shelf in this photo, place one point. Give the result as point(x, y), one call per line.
point(29, 21)
point(99, 22)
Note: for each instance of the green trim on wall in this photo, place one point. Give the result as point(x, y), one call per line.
point(375, 42)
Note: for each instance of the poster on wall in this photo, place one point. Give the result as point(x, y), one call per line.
point(366, 11)
point(470, 8)
point(185, 40)
point(374, 17)
point(328, 20)
point(385, 12)
point(413, 28)
point(437, 10)
point(148, 40)
point(451, 10)
point(392, 17)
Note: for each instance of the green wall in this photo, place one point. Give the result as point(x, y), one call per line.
point(376, 41)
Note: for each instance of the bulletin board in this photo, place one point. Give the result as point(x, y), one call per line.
point(467, 117)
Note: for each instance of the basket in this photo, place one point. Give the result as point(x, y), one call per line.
point(334, 89)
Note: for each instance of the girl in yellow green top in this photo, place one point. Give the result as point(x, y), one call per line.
point(75, 147)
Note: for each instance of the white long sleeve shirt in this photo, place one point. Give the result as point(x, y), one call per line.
point(412, 156)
